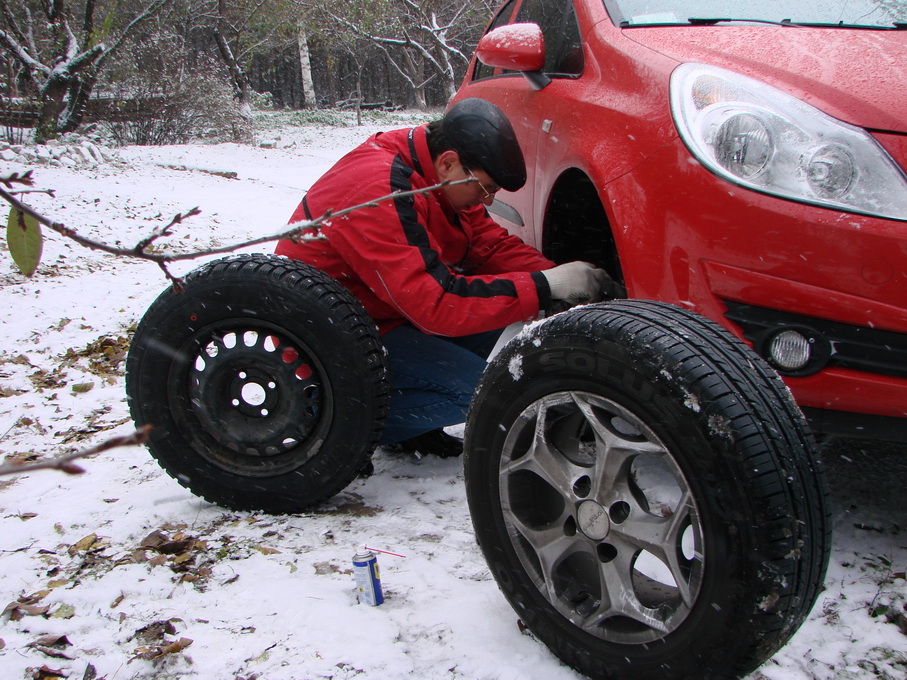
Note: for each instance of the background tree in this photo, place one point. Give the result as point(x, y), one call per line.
point(62, 46)
point(244, 28)
point(422, 39)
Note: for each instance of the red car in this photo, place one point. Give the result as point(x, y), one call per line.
point(744, 160)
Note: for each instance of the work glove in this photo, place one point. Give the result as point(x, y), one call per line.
point(577, 282)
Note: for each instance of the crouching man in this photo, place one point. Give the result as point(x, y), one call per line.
point(440, 278)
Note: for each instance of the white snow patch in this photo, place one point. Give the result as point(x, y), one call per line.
point(515, 366)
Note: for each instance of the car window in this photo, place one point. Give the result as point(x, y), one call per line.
point(563, 48)
point(502, 19)
point(557, 19)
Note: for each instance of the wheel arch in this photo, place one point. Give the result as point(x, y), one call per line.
point(576, 225)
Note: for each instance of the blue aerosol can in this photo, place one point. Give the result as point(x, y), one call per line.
point(368, 578)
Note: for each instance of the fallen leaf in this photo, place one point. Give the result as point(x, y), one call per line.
point(51, 641)
point(34, 598)
point(159, 541)
point(156, 652)
point(357, 509)
point(84, 544)
point(64, 611)
point(154, 632)
point(17, 611)
point(176, 547)
point(266, 551)
point(153, 540)
point(176, 647)
point(53, 652)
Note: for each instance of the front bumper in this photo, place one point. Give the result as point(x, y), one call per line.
point(756, 263)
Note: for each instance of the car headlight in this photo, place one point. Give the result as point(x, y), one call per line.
point(762, 138)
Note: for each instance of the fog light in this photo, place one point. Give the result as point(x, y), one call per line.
point(789, 350)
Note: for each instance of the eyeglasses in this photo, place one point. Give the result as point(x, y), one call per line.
point(489, 192)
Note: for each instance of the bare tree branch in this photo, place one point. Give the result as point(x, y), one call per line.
point(65, 464)
point(149, 11)
point(302, 230)
point(16, 178)
point(11, 22)
point(21, 54)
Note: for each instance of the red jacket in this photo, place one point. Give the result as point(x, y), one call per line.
point(414, 259)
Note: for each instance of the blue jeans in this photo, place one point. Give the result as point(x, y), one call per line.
point(432, 379)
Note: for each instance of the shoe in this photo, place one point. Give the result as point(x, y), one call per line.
point(436, 442)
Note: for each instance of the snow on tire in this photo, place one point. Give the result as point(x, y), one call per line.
point(646, 494)
point(264, 380)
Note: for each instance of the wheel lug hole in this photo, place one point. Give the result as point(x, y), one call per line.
point(570, 527)
point(606, 552)
point(582, 486)
point(619, 512)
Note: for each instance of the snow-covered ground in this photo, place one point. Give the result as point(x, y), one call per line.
point(228, 595)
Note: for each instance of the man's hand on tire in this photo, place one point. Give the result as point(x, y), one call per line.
point(577, 282)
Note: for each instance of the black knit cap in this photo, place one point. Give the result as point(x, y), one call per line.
point(483, 137)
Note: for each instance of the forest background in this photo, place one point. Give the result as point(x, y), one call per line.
point(167, 71)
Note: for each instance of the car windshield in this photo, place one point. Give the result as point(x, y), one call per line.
point(843, 13)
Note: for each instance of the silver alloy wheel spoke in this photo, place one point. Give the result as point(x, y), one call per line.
point(556, 470)
point(661, 536)
point(617, 577)
point(552, 547)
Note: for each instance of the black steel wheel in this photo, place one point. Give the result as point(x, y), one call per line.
point(646, 493)
point(264, 381)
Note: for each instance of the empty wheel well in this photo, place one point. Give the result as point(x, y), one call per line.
point(576, 226)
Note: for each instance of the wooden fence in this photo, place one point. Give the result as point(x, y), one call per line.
point(24, 113)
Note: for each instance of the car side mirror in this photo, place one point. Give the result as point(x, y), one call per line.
point(518, 47)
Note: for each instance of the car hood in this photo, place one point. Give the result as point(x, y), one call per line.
point(854, 75)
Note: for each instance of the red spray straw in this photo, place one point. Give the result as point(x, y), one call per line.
point(385, 552)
